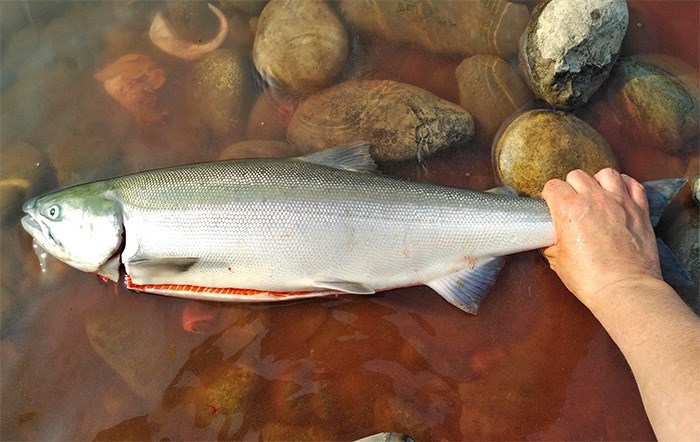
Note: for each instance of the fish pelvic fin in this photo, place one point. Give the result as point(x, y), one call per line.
point(659, 194)
point(467, 288)
point(354, 157)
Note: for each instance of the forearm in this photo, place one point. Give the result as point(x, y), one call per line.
point(660, 338)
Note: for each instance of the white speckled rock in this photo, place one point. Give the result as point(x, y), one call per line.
point(569, 47)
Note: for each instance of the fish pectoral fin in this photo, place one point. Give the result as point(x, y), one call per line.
point(467, 288)
point(355, 288)
point(110, 269)
point(160, 266)
point(354, 157)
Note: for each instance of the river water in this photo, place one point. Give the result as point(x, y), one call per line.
point(84, 359)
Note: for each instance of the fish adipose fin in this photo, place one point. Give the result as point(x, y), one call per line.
point(354, 288)
point(466, 289)
point(354, 157)
point(659, 195)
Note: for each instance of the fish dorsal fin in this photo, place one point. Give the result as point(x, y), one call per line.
point(354, 157)
point(355, 288)
point(467, 288)
point(659, 194)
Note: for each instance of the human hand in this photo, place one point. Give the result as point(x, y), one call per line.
point(603, 233)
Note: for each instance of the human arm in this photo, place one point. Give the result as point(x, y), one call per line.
point(605, 253)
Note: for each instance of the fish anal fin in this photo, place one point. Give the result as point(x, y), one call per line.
point(353, 156)
point(355, 288)
point(467, 288)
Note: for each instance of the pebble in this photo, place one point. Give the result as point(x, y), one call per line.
point(569, 48)
point(399, 120)
point(654, 99)
point(539, 145)
point(491, 91)
point(219, 92)
point(452, 27)
point(300, 45)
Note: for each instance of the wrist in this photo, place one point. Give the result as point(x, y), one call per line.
point(635, 288)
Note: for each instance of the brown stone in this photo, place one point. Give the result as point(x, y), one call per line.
point(540, 145)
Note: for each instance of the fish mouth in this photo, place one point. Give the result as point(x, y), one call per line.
point(31, 225)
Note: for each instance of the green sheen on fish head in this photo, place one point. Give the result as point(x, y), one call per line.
point(81, 225)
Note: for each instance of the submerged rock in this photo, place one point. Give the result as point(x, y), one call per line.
point(269, 117)
point(454, 27)
point(230, 391)
point(654, 100)
point(299, 44)
point(261, 149)
point(84, 156)
point(684, 241)
point(400, 121)
point(136, 341)
point(491, 90)
point(189, 18)
point(246, 6)
point(21, 169)
point(540, 145)
point(569, 47)
point(219, 91)
point(192, 21)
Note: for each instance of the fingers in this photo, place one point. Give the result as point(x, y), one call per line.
point(636, 191)
point(611, 180)
point(581, 181)
point(556, 189)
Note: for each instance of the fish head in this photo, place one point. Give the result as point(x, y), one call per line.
point(80, 226)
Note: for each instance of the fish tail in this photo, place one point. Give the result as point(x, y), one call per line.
point(659, 194)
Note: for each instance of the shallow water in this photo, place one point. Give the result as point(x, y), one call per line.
point(81, 359)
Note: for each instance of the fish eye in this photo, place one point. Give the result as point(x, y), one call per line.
point(53, 212)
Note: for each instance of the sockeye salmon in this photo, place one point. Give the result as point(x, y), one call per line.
point(271, 230)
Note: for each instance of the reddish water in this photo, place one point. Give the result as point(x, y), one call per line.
point(89, 360)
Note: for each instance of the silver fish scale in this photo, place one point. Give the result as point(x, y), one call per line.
point(288, 225)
